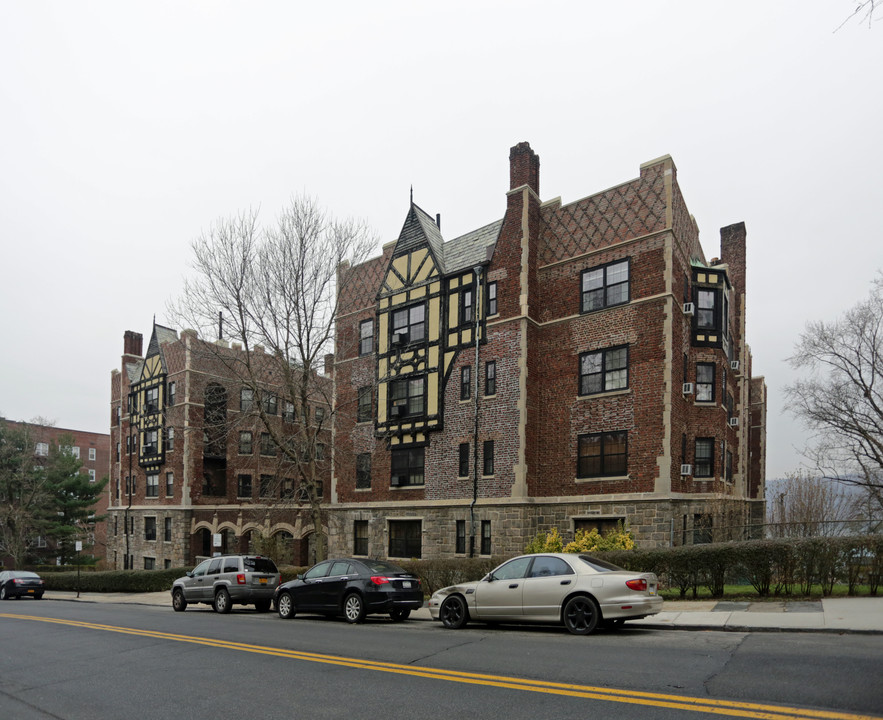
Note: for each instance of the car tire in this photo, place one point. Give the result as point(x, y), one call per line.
point(354, 608)
point(285, 606)
point(263, 605)
point(3, 594)
point(400, 615)
point(222, 603)
point(581, 615)
point(179, 602)
point(453, 612)
point(39, 596)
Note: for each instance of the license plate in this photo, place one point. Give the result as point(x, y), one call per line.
point(31, 591)
point(263, 581)
point(406, 583)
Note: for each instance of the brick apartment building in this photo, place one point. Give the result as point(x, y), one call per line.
point(568, 365)
point(93, 452)
point(193, 471)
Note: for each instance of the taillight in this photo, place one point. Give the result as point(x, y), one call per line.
point(240, 578)
point(639, 584)
point(379, 579)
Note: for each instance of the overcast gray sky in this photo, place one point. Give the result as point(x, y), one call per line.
point(127, 128)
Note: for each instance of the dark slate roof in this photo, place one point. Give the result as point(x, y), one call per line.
point(473, 248)
point(420, 229)
point(133, 370)
point(160, 336)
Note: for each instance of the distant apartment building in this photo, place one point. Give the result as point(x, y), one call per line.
point(569, 365)
point(93, 452)
point(194, 471)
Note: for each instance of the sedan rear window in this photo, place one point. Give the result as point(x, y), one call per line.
point(599, 565)
point(379, 566)
point(259, 564)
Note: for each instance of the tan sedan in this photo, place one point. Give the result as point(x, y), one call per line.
point(580, 591)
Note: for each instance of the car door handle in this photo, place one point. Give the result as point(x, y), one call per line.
point(565, 582)
point(513, 585)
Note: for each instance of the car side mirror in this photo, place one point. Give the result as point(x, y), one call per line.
point(488, 578)
point(300, 577)
point(189, 573)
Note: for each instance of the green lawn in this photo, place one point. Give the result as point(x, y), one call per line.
point(748, 593)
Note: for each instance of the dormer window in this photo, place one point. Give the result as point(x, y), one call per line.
point(409, 325)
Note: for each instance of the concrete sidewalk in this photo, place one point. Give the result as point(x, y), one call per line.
point(841, 615)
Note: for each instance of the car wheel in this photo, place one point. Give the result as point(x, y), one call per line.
point(353, 608)
point(581, 615)
point(222, 602)
point(453, 613)
point(263, 605)
point(285, 606)
point(3, 594)
point(179, 602)
point(399, 615)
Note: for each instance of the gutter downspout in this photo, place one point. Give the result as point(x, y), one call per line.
point(477, 306)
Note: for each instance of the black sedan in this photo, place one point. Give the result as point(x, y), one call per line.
point(20, 583)
point(353, 588)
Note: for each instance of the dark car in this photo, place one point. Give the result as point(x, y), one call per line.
point(353, 588)
point(228, 580)
point(20, 583)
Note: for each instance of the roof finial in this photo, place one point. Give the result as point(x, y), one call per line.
point(412, 193)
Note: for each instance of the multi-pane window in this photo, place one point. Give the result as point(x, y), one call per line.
point(150, 528)
point(149, 563)
point(460, 543)
point(243, 486)
point(92, 453)
point(492, 298)
point(463, 464)
point(488, 458)
point(366, 337)
point(490, 377)
point(485, 537)
point(705, 382)
point(409, 324)
point(365, 410)
point(170, 484)
point(467, 306)
point(268, 445)
point(151, 438)
point(728, 476)
point(706, 314)
point(271, 403)
point(42, 449)
point(320, 414)
point(167, 530)
point(407, 466)
point(152, 487)
point(465, 382)
point(604, 370)
point(405, 538)
point(246, 399)
point(704, 458)
point(91, 475)
point(605, 286)
point(602, 454)
point(408, 396)
point(170, 439)
point(360, 537)
point(288, 411)
point(151, 396)
point(363, 471)
point(172, 391)
point(246, 446)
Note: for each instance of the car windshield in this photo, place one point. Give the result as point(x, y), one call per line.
point(380, 566)
point(260, 564)
point(599, 565)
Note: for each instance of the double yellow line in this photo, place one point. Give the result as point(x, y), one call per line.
point(634, 697)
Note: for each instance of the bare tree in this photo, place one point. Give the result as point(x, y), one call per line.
point(864, 11)
point(805, 505)
point(841, 400)
point(275, 289)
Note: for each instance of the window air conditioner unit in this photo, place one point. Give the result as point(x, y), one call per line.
point(733, 422)
point(686, 469)
point(687, 389)
point(734, 365)
point(689, 309)
point(400, 338)
point(396, 480)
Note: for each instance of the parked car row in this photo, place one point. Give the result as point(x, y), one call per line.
point(579, 591)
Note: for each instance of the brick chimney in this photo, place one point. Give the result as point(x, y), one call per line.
point(733, 253)
point(132, 343)
point(524, 168)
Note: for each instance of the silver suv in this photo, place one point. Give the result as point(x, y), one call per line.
point(228, 580)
